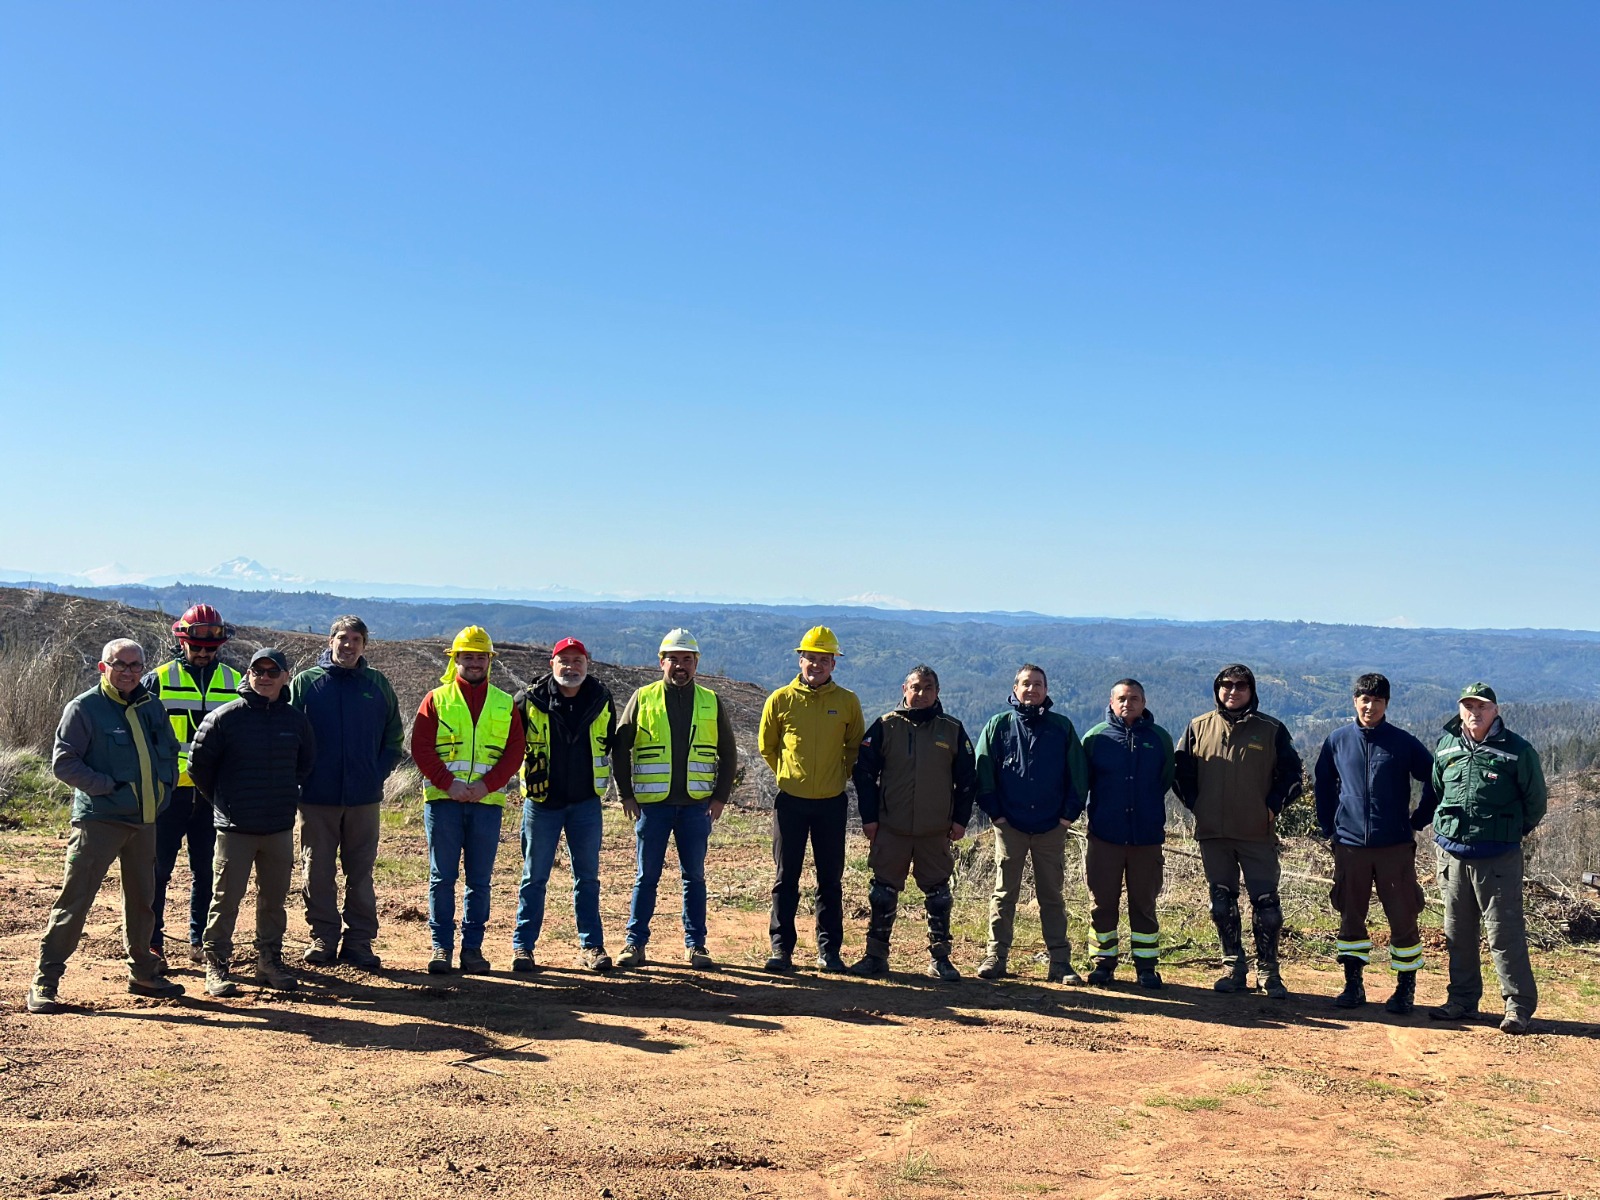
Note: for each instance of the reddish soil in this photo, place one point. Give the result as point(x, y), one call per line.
point(670, 1082)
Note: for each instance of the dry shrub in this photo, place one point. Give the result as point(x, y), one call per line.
point(38, 682)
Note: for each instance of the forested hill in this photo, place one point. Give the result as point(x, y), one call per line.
point(1548, 680)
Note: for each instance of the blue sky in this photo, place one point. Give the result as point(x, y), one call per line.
point(1209, 311)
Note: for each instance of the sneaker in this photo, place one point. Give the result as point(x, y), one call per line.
point(1062, 972)
point(778, 963)
point(1515, 1022)
point(871, 966)
point(473, 962)
point(632, 955)
point(270, 970)
point(993, 967)
point(359, 954)
point(197, 954)
point(318, 952)
point(829, 960)
point(943, 968)
point(1149, 977)
point(1105, 970)
point(217, 981)
point(697, 958)
point(1452, 1010)
point(43, 998)
point(597, 960)
point(439, 964)
point(158, 986)
point(522, 961)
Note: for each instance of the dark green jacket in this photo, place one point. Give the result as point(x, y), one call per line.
point(98, 754)
point(1492, 791)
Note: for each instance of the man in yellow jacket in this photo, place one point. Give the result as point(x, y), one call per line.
point(810, 732)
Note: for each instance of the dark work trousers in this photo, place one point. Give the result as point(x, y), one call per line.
point(1392, 871)
point(187, 817)
point(1106, 865)
point(822, 822)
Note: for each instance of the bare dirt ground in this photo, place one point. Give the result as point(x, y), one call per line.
point(668, 1082)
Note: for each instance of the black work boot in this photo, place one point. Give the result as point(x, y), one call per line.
point(938, 904)
point(884, 900)
point(1103, 971)
point(1354, 994)
point(1266, 920)
point(1405, 994)
point(1230, 933)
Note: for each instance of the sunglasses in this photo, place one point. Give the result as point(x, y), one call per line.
point(1233, 687)
point(266, 672)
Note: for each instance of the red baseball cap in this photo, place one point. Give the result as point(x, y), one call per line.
point(570, 644)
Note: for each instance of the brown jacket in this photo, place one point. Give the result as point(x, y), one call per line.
point(1236, 776)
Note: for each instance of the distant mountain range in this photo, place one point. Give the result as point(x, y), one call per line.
point(246, 574)
point(1549, 680)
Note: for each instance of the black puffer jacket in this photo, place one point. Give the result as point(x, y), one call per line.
point(250, 758)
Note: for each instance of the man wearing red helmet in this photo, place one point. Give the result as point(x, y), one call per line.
point(189, 686)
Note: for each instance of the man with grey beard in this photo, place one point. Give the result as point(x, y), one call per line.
point(569, 721)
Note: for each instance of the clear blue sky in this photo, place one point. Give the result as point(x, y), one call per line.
point(1211, 311)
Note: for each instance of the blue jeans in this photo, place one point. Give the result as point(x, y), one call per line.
point(689, 826)
point(457, 831)
point(541, 837)
point(187, 816)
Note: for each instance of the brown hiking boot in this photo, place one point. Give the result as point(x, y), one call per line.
point(993, 967)
point(217, 981)
point(271, 971)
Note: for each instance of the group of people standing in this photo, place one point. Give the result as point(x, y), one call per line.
point(194, 751)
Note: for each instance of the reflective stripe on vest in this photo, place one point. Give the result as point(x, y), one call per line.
point(652, 746)
point(187, 705)
point(470, 748)
point(536, 769)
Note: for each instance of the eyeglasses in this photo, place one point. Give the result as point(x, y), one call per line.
point(124, 665)
point(266, 673)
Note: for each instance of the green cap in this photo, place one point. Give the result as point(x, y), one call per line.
point(1479, 691)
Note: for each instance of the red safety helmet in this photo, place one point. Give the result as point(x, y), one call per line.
point(202, 625)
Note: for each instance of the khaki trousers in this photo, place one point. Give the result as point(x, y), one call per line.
point(1011, 851)
point(91, 849)
point(272, 856)
point(929, 859)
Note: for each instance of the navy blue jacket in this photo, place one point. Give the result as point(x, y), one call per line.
point(359, 735)
point(1363, 783)
point(1130, 770)
point(1031, 769)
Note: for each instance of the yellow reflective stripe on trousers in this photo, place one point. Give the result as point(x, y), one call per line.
point(1406, 958)
point(1146, 945)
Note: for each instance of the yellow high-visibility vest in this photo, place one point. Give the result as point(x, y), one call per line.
point(652, 746)
point(471, 748)
point(187, 705)
point(536, 726)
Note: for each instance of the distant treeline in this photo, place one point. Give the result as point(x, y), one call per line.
point(1549, 684)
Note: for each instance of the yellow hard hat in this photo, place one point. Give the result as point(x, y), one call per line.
point(474, 639)
point(680, 640)
point(819, 639)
